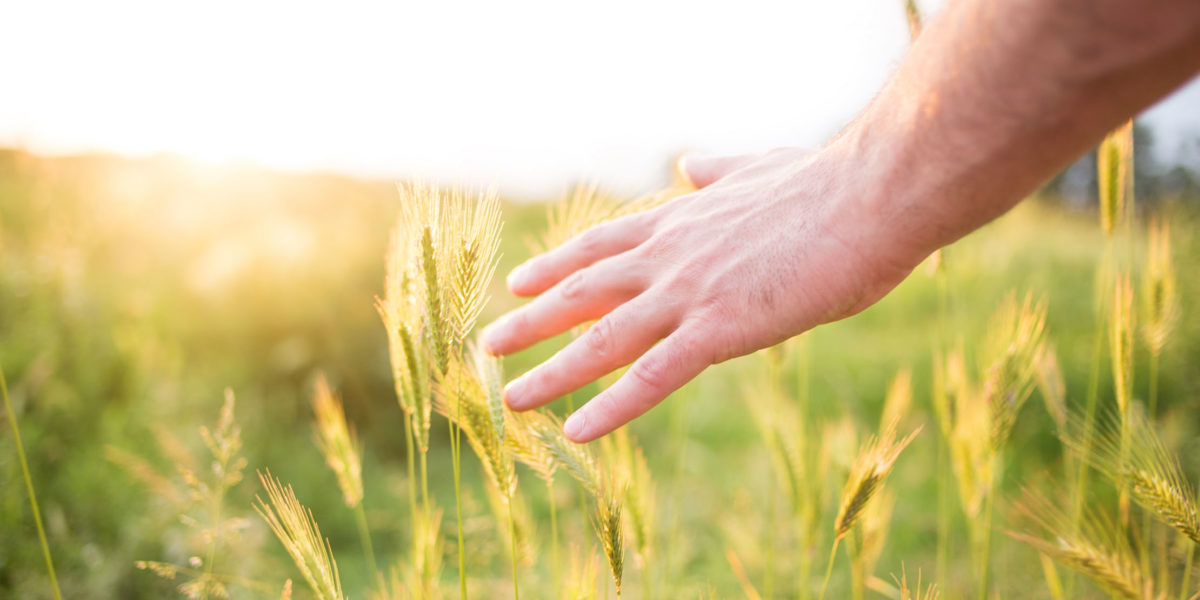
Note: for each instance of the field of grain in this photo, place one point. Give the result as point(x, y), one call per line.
point(236, 383)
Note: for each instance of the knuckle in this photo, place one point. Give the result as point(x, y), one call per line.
point(591, 240)
point(599, 338)
point(574, 285)
point(653, 370)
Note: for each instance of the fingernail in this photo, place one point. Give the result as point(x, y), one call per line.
point(513, 393)
point(490, 336)
point(518, 276)
point(575, 425)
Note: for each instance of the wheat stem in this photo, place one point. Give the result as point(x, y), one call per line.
point(1187, 571)
point(986, 541)
point(512, 532)
point(771, 527)
point(455, 459)
point(858, 575)
point(554, 537)
point(33, 505)
point(1093, 391)
point(829, 567)
point(412, 486)
point(212, 545)
point(364, 534)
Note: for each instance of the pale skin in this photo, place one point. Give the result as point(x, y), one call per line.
point(994, 98)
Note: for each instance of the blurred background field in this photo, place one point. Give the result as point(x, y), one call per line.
point(133, 292)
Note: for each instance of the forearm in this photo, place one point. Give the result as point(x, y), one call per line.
point(997, 96)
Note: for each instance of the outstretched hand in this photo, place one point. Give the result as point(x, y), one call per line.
point(767, 248)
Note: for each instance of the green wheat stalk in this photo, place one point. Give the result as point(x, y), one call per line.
point(33, 505)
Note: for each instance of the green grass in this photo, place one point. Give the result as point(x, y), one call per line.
point(132, 292)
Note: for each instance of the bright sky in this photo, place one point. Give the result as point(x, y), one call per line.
point(529, 95)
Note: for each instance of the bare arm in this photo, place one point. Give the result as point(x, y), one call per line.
point(994, 98)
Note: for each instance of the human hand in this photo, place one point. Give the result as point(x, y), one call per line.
point(767, 248)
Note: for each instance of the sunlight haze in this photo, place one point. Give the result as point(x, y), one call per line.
point(529, 96)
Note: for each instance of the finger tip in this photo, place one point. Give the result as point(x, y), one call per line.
point(518, 280)
point(576, 427)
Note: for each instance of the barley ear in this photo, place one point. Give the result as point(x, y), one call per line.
point(867, 475)
point(607, 523)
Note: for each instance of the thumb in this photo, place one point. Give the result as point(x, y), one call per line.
point(702, 171)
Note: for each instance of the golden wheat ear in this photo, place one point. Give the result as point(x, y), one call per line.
point(607, 522)
point(1012, 348)
point(297, 530)
point(1140, 461)
point(463, 397)
point(867, 474)
point(1114, 172)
